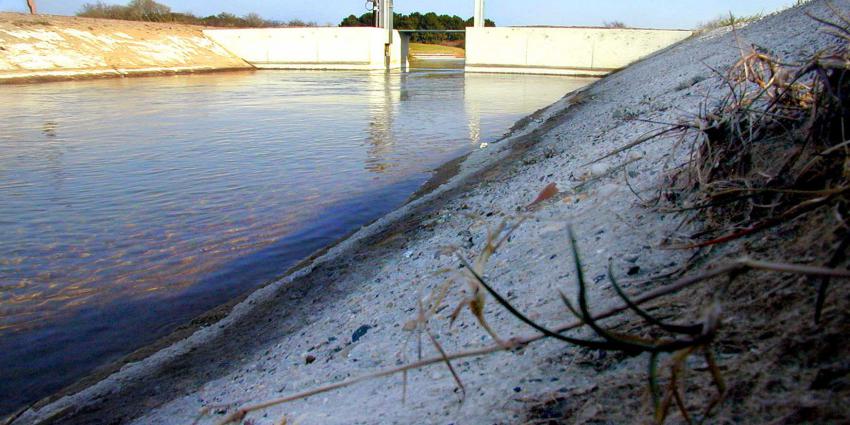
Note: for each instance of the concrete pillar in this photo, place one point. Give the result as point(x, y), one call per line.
point(479, 14)
point(405, 51)
point(385, 18)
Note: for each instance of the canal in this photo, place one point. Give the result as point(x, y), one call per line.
point(129, 206)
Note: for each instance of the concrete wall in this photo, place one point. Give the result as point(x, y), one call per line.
point(312, 48)
point(562, 51)
point(42, 47)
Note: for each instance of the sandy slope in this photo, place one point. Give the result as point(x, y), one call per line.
point(374, 278)
point(59, 47)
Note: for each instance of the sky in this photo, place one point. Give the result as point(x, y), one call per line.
point(636, 13)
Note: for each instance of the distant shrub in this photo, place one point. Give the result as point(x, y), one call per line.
point(614, 24)
point(726, 21)
point(151, 11)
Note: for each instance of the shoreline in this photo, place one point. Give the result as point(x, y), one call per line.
point(380, 233)
point(440, 176)
point(26, 78)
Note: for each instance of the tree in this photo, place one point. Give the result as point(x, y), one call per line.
point(254, 20)
point(148, 10)
point(418, 21)
point(103, 11)
point(350, 21)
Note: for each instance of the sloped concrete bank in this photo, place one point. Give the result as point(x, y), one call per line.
point(46, 48)
point(345, 314)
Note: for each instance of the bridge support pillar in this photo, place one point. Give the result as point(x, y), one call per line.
point(479, 14)
point(385, 21)
point(405, 51)
point(385, 18)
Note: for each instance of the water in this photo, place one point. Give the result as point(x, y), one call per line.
point(129, 206)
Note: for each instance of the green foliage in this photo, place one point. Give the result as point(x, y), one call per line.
point(151, 11)
point(419, 21)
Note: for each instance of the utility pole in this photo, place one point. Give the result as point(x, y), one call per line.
point(479, 14)
point(31, 5)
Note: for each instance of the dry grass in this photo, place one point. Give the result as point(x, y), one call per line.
point(429, 49)
point(727, 21)
point(776, 146)
point(771, 154)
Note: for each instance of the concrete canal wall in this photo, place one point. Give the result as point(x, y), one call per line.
point(42, 47)
point(331, 48)
point(562, 51)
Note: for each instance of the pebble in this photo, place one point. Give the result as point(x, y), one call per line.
point(599, 169)
point(466, 237)
point(360, 332)
point(605, 191)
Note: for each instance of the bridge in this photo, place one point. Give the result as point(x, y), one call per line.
point(579, 51)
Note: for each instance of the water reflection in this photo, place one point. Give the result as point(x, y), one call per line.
point(384, 94)
point(488, 98)
point(129, 206)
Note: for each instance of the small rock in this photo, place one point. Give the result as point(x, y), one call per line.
point(360, 332)
point(588, 412)
point(599, 169)
point(517, 389)
point(605, 191)
point(309, 359)
point(466, 237)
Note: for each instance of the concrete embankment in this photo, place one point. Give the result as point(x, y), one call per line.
point(40, 48)
point(563, 50)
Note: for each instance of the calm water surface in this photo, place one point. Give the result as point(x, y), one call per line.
point(129, 206)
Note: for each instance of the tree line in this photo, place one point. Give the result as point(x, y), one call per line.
point(419, 21)
point(151, 11)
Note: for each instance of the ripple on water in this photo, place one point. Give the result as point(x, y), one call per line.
point(129, 206)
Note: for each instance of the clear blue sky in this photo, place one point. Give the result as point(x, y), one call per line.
point(638, 13)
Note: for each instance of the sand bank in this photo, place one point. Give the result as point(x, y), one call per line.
point(49, 48)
